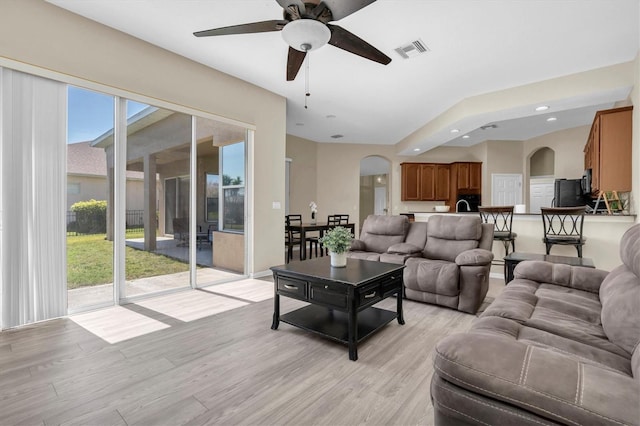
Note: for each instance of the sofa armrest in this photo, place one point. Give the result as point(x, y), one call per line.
point(404, 248)
point(357, 245)
point(475, 257)
point(578, 277)
point(548, 383)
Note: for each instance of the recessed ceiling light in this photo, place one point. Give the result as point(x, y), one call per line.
point(454, 130)
point(542, 108)
point(551, 119)
point(416, 149)
point(337, 136)
point(331, 116)
point(466, 137)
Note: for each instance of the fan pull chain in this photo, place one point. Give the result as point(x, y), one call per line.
point(306, 79)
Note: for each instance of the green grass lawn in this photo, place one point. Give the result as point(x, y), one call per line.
point(90, 262)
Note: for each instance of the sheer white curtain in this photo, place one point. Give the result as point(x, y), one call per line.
point(33, 121)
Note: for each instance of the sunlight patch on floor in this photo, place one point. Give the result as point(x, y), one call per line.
point(116, 324)
point(249, 289)
point(190, 305)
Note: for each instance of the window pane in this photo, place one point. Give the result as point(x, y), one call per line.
point(157, 195)
point(234, 209)
point(233, 164)
point(212, 193)
point(89, 194)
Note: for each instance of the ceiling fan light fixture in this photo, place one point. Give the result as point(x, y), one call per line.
point(306, 34)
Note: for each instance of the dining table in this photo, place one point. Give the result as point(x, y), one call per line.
point(321, 227)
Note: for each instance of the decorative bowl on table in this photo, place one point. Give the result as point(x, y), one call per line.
point(442, 209)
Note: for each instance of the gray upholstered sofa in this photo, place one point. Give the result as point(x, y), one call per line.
point(447, 259)
point(454, 265)
point(558, 346)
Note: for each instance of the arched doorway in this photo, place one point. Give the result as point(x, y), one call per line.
point(374, 186)
point(541, 171)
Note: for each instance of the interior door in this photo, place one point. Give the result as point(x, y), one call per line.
point(380, 200)
point(506, 189)
point(540, 195)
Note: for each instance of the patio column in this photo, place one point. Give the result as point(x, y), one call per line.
point(150, 224)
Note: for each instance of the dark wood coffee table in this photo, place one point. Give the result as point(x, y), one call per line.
point(512, 259)
point(341, 299)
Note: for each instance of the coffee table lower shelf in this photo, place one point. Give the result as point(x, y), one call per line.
point(335, 324)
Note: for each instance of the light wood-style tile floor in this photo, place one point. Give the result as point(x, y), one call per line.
point(210, 357)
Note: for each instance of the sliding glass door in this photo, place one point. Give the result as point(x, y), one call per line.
point(90, 185)
point(157, 202)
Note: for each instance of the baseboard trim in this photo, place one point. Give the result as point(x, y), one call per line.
point(261, 274)
point(496, 275)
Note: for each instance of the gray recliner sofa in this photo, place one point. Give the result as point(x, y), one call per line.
point(558, 346)
point(447, 259)
point(454, 265)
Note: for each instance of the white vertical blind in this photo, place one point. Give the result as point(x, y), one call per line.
point(33, 117)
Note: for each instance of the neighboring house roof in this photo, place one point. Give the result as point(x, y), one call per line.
point(83, 159)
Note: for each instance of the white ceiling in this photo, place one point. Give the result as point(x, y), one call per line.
point(476, 47)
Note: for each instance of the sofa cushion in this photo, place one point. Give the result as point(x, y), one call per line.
point(417, 234)
point(543, 339)
point(448, 236)
point(381, 232)
point(630, 249)
point(404, 248)
point(564, 311)
point(454, 227)
point(538, 377)
point(620, 297)
point(432, 276)
point(363, 255)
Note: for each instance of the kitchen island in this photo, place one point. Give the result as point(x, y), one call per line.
point(603, 233)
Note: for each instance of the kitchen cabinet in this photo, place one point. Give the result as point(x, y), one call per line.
point(468, 175)
point(608, 150)
point(425, 182)
point(410, 181)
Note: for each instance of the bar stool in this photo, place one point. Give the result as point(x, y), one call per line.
point(563, 226)
point(502, 219)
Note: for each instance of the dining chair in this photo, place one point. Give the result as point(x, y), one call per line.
point(563, 226)
point(293, 238)
point(502, 219)
point(337, 219)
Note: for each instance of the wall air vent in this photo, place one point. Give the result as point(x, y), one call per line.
point(412, 49)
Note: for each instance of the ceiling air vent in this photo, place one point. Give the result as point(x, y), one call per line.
point(412, 49)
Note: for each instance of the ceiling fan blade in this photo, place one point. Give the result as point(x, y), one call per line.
point(286, 3)
point(253, 27)
point(294, 62)
point(342, 8)
point(351, 43)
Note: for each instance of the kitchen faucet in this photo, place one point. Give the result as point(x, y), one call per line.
point(463, 201)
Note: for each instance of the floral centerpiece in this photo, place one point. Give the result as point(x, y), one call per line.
point(337, 240)
point(314, 210)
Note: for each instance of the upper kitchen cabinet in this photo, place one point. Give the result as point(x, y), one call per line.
point(425, 182)
point(467, 176)
point(608, 150)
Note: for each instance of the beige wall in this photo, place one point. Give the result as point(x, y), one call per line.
point(35, 33)
point(303, 174)
point(542, 163)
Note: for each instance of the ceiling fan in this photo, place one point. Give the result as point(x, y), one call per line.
point(306, 27)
